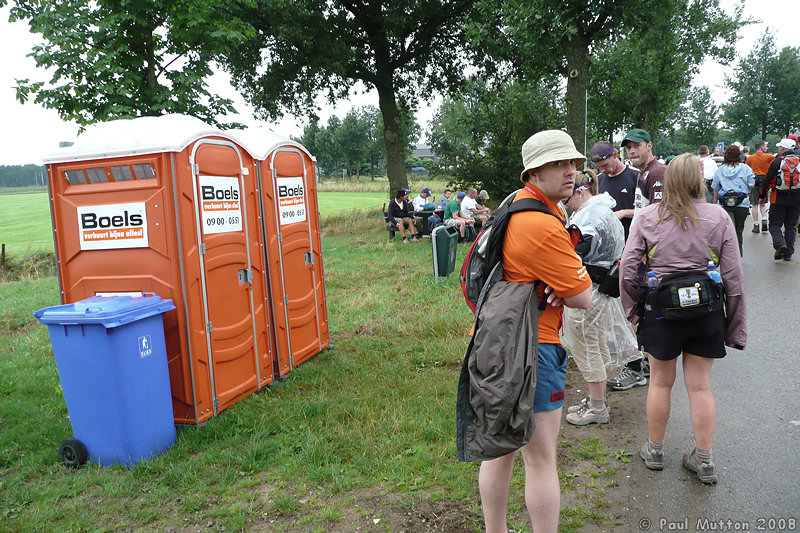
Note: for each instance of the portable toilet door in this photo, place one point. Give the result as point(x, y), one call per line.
point(221, 219)
point(293, 246)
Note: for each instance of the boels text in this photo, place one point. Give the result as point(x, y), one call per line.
point(286, 192)
point(125, 220)
point(212, 193)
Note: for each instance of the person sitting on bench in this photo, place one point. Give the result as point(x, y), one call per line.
point(401, 214)
point(453, 216)
point(471, 209)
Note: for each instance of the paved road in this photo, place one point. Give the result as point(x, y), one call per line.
point(757, 442)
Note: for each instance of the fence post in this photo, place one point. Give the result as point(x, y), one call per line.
point(3, 256)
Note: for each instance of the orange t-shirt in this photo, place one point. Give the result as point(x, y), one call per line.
point(759, 162)
point(537, 247)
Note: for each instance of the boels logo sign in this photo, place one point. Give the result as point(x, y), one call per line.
point(106, 227)
point(291, 200)
point(219, 204)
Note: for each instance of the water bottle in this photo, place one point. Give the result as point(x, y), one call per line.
point(713, 273)
point(652, 282)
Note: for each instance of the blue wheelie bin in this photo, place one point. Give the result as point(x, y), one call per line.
point(112, 362)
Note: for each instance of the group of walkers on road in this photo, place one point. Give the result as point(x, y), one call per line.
point(653, 243)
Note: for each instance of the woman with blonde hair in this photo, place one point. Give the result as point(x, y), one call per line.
point(687, 244)
point(604, 239)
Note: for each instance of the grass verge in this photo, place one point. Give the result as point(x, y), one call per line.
point(360, 437)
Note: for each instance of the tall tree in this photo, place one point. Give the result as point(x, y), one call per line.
point(764, 87)
point(119, 59)
point(404, 49)
point(557, 37)
point(639, 80)
point(700, 118)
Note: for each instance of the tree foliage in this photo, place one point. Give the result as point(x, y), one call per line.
point(111, 59)
point(557, 38)
point(478, 133)
point(699, 119)
point(404, 49)
point(643, 77)
point(764, 91)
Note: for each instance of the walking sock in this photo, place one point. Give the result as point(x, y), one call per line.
point(703, 455)
point(655, 446)
point(598, 405)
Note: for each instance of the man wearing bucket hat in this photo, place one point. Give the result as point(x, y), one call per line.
point(537, 248)
point(651, 172)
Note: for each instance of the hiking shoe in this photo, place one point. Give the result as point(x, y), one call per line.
point(764, 227)
point(755, 228)
point(780, 252)
point(703, 469)
point(653, 459)
point(585, 401)
point(405, 240)
point(646, 367)
point(586, 415)
point(627, 379)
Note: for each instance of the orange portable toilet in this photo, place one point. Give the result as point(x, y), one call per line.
point(170, 205)
point(286, 173)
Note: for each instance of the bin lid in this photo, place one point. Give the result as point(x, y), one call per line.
point(107, 311)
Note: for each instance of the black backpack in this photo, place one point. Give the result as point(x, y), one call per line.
point(487, 250)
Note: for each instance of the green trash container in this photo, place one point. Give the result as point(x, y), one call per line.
point(444, 241)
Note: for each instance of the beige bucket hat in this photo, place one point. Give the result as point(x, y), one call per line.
point(548, 146)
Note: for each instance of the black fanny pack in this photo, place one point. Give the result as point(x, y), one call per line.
point(733, 198)
point(685, 295)
point(607, 279)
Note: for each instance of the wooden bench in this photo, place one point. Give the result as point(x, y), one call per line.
point(391, 228)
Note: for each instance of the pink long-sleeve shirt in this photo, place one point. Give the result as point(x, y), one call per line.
point(673, 249)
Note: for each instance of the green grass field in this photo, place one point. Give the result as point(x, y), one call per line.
point(359, 437)
point(25, 223)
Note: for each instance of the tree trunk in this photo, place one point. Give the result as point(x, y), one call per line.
point(578, 62)
point(393, 136)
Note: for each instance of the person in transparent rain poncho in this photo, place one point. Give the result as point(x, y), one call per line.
point(589, 331)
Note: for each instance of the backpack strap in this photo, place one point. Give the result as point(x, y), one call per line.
point(531, 204)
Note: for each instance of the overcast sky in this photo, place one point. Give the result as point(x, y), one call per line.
point(30, 132)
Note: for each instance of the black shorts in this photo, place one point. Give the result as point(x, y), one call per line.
point(667, 339)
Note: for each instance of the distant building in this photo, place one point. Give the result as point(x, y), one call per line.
point(423, 151)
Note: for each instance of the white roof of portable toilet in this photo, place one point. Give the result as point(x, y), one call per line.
point(260, 142)
point(144, 135)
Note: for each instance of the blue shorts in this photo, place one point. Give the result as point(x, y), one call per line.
point(550, 378)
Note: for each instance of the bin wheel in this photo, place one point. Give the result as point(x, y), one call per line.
point(73, 453)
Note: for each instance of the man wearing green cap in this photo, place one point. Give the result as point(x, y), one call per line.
point(640, 152)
